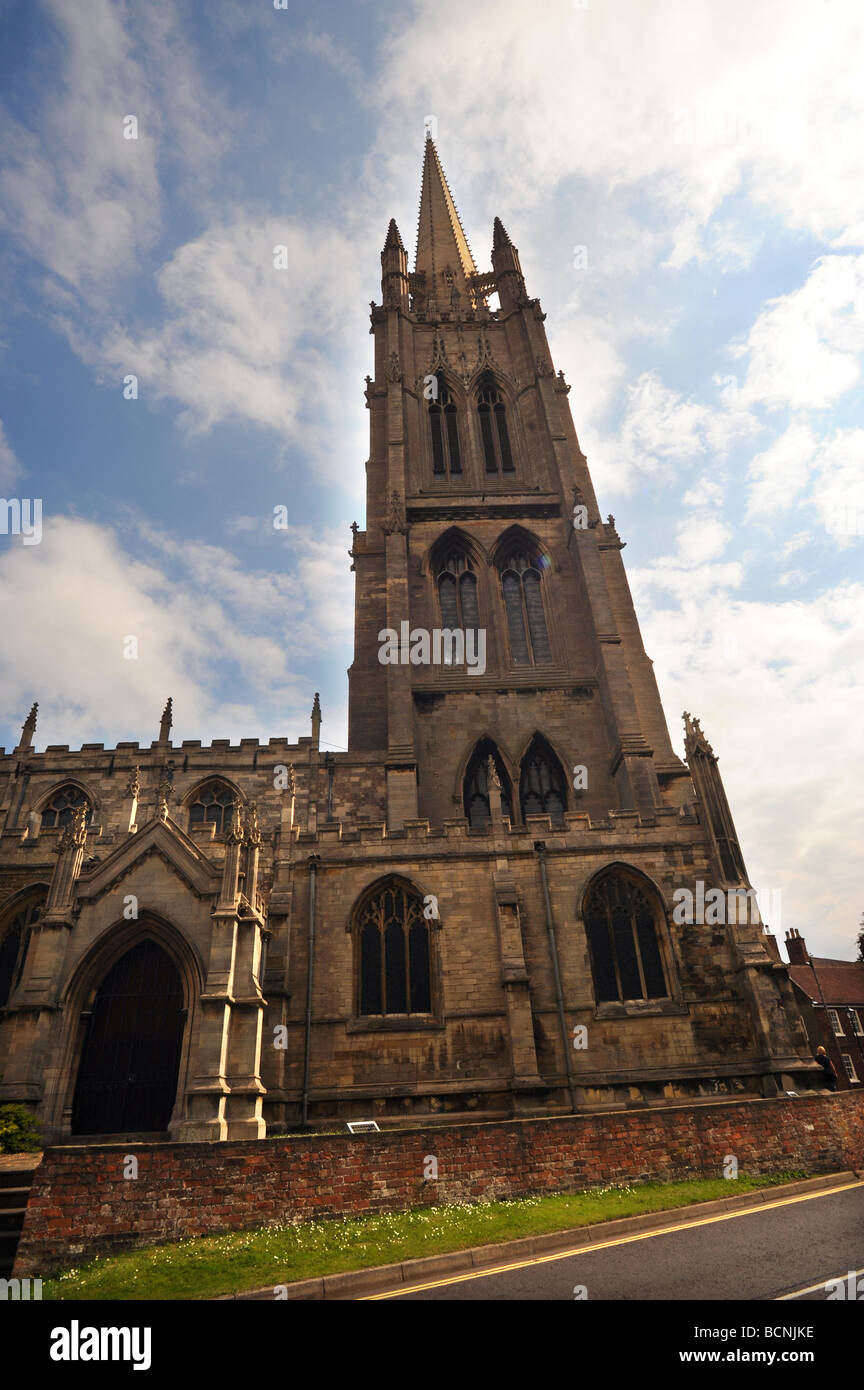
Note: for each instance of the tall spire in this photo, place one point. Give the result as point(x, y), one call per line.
point(441, 242)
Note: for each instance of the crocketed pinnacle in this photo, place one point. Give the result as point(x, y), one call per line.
point(393, 237)
point(499, 235)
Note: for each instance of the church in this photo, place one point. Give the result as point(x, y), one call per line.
point(467, 914)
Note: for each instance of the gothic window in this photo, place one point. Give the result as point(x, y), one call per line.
point(457, 595)
point(14, 944)
point(212, 806)
point(446, 458)
point(476, 787)
point(541, 785)
point(393, 941)
point(62, 806)
point(621, 923)
point(523, 604)
point(493, 430)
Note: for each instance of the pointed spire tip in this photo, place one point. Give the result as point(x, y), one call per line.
point(441, 242)
point(393, 238)
point(500, 236)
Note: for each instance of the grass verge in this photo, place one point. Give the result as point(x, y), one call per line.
point(206, 1266)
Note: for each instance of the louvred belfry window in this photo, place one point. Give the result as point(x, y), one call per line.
point(493, 430)
point(541, 785)
point(446, 456)
point(457, 595)
point(621, 923)
point(394, 967)
point(523, 603)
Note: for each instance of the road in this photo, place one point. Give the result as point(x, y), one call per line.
point(772, 1251)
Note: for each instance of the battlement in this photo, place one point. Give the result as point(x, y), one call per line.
point(34, 758)
point(616, 827)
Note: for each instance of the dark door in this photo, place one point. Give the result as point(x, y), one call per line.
point(127, 1081)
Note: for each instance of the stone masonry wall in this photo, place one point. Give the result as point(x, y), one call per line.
point(81, 1205)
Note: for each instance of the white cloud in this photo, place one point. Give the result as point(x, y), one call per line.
point(306, 599)
point(243, 340)
point(833, 467)
point(729, 246)
point(77, 195)
point(701, 542)
point(781, 471)
point(707, 491)
point(790, 579)
point(733, 98)
point(583, 346)
point(225, 643)
point(838, 486)
point(804, 349)
point(795, 543)
point(763, 677)
point(663, 433)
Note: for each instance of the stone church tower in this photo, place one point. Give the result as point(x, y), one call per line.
point(476, 909)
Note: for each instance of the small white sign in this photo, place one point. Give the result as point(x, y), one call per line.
point(363, 1126)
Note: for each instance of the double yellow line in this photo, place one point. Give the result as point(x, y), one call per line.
point(607, 1244)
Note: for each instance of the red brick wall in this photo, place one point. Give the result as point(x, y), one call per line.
point(81, 1205)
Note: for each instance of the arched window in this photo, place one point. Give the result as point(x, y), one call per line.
point(446, 458)
point(457, 595)
point(621, 919)
point(62, 807)
point(493, 429)
point(476, 786)
point(14, 944)
point(541, 784)
point(394, 975)
point(523, 603)
point(212, 806)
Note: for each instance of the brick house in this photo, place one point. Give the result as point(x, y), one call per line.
point(830, 995)
point(471, 911)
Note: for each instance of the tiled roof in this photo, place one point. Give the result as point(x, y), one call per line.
point(834, 981)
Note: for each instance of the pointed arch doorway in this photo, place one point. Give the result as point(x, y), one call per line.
point(127, 1079)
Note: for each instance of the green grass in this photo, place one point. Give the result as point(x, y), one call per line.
point(203, 1267)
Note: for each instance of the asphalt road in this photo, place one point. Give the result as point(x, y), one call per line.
point(759, 1254)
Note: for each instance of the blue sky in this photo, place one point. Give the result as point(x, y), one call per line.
point(705, 157)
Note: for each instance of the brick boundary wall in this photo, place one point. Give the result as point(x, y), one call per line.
point(81, 1206)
